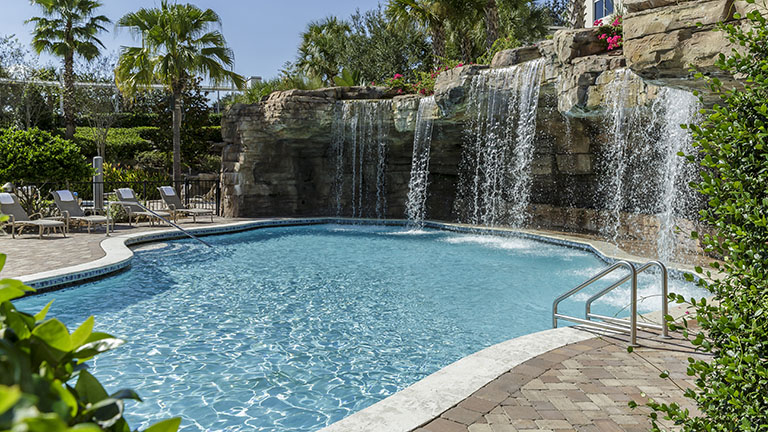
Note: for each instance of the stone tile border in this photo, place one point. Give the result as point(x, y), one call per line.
point(118, 255)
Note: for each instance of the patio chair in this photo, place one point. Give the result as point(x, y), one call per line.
point(72, 212)
point(176, 207)
point(129, 203)
point(9, 205)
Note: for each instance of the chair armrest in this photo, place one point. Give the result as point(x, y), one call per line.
point(38, 214)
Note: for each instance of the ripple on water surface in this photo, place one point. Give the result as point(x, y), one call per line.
point(291, 329)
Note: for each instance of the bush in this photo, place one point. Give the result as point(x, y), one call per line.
point(732, 386)
point(44, 383)
point(34, 155)
point(122, 144)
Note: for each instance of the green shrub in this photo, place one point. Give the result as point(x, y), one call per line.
point(44, 383)
point(34, 155)
point(501, 44)
point(123, 144)
point(732, 385)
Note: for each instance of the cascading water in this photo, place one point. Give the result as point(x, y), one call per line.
point(614, 155)
point(415, 207)
point(642, 172)
point(359, 146)
point(677, 199)
point(495, 174)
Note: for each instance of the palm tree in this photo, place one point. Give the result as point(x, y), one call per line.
point(491, 10)
point(430, 14)
point(179, 41)
point(322, 48)
point(66, 29)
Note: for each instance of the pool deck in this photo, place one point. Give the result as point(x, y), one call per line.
point(558, 380)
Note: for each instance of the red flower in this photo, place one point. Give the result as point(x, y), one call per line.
point(398, 76)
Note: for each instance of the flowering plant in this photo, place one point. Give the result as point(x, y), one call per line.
point(611, 33)
point(399, 84)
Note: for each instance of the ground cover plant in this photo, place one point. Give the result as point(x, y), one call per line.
point(732, 385)
point(45, 385)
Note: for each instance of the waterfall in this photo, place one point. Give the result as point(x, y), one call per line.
point(360, 134)
point(495, 179)
point(677, 200)
point(415, 208)
point(641, 171)
point(615, 155)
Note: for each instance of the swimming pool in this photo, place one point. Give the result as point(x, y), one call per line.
point(294, 328)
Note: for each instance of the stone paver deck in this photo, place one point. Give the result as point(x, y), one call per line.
point(580, 387)
point(28, 254)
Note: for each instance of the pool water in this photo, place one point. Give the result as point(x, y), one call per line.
point(292, 329)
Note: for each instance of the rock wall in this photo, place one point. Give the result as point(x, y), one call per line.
point(278, 158)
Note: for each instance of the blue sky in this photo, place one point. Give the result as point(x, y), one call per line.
point(263, 33)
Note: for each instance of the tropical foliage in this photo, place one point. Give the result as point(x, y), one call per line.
point(44, 382)
point(179, 42)
point(68, 28)
point(35, 155)
point(732, 142)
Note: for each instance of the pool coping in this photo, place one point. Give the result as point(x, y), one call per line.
point(118, 254)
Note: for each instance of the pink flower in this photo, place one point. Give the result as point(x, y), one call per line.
point(598, 22)
point(460, 65)
point(602, 36)
point(616, 22)
point(398, 76)
point(399, 91)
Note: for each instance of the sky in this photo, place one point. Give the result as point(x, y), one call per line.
point(264, 34)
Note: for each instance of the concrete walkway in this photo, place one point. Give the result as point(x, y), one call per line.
point(584, 386)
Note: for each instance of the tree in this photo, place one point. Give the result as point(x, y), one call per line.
point(379, 49)
point(433, 15)
point(68, 28)
point(491, 11)
point(322, 48)
point(179, 41)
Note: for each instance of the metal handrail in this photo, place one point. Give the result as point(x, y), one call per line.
point(602, 274)
point(187, 233)
point(664, 294)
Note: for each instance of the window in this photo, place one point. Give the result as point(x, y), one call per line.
point(603, 8)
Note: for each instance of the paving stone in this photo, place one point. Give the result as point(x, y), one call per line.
point(477, 404)
point(462, 415)
point(521, 413)
point(480, 428)
point(497, 419)
point(443, 425)
point(553, 424)
point(503, 428)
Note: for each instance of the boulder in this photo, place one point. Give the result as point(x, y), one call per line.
point(571, 44)
point(452, 88)
point(515, 56)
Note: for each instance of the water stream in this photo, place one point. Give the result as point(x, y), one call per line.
point(495, 173)
point(360, 134)
point(415, 208)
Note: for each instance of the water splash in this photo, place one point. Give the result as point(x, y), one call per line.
point(360, 133)
point(415, 208)
point(495, 185)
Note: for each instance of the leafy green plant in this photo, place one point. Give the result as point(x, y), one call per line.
point(123, 144)
point(349, 78)
point(44, 382)
point(732, 142)
point(501, 44)
point(118, 173)
point(34, 155)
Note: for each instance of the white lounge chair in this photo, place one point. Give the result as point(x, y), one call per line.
point(9, 205)
point(131, 205)
point(72, 212)
point(176, 207)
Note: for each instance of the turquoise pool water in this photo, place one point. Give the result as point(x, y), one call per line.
point(292, 329)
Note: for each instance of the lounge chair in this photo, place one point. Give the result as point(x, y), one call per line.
point(72, 212)
point(176, 207)
point(131, 205)
point(9, 205)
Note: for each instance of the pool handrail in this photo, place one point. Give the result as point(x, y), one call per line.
point(633, 306)
point(664, 302)
point(187, 233)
